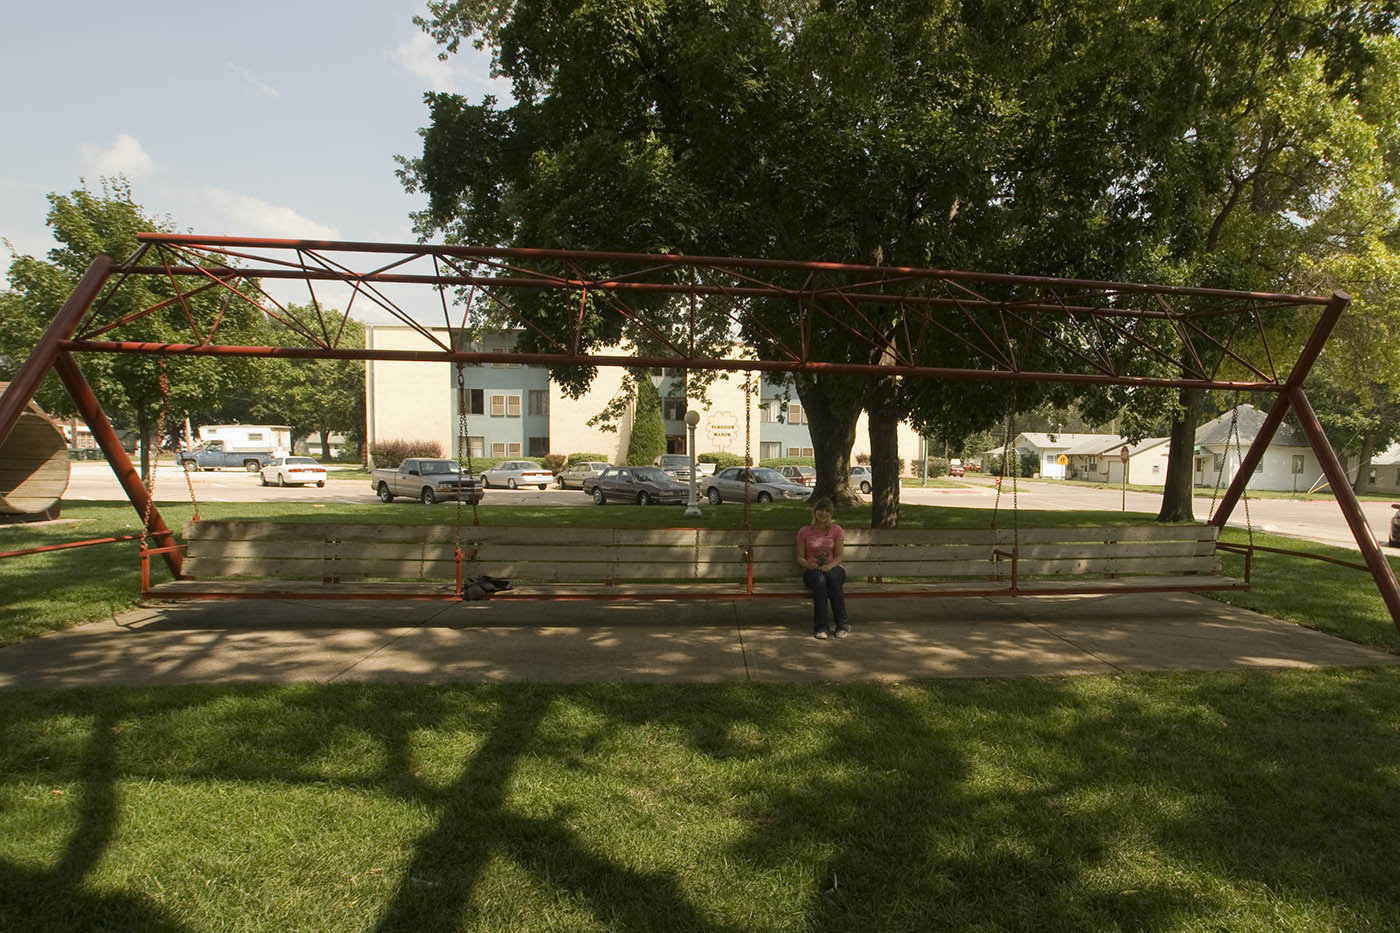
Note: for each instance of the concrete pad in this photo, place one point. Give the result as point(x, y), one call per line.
point(558, 654)
point(286, 641)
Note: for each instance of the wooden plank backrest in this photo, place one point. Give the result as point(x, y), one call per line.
point(359, 552)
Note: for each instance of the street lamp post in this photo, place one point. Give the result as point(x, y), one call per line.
point(692, 418)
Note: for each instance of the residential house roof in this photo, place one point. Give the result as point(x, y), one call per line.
point(1217, 432)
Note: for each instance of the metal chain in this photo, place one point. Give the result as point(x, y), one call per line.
point(464, 447)
point(748, 459)
point(164, 383)
point(1220, 474)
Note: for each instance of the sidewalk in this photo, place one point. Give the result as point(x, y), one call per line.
point(704, 641)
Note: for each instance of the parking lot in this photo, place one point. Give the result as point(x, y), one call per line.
point(1315, 520)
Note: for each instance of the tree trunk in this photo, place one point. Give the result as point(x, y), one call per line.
point(831, 421)
point(325, 442)
point(1362, 482)
point(1176, 495)
point(883, 409)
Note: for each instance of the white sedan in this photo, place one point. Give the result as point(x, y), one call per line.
point(515, 473)
point(293, 471)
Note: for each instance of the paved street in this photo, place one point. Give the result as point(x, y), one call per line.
point(1319, 520)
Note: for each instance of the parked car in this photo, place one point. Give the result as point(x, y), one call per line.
point(760, 484)
point(578, 474)
point(802, 475)
point(293, 471)
point(677, 466)
point(955, 468)
point(516, 473)
point(1395, 527)
point(860, 478)
point(427, 479)
point(640, 484)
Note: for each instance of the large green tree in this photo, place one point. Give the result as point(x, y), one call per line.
point(87, 224)
point(1103, 142)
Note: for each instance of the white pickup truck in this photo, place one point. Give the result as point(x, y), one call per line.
point(428, 480)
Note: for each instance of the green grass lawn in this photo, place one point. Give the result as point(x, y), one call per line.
point(1224, 801)
point(1241, 801)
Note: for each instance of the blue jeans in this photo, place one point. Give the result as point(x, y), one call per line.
point(826, 585)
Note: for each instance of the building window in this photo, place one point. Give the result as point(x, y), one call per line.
point(476, 402)
point(476, 445)
point(1156, 468)
point(1297, 463)
point(498, 449)
point(770, 450)
point(796, 415)
point(794, 451)
point(255, 435)
point(1200, 464)
point(1259, 467)
point(673, 409)
point(1217, 463)
point(505, 406)
point(806, 451)
point(539, 446)
point(539, 404)
point(513, 449)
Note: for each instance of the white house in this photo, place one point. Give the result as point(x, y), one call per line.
point(1103, 461)
point(1050, 448)
point(1385, 471)
point(1288, 463)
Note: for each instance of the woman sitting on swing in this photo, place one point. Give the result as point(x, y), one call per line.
point(819, 549)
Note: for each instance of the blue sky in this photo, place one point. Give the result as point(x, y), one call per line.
point(254, 118)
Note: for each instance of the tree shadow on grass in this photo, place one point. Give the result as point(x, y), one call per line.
point(55, 899)
point(1081, 803)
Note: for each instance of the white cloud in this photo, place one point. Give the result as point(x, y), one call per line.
point(418, 56)
point(243, 215)
point(467, 70)
point(248, 78)
point(124, 157)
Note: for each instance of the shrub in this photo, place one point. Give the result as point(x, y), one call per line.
point(586, 458)
point(392, 453)
point(553, 462)
point(937, 466)
point(721, 459)
point(648, 440)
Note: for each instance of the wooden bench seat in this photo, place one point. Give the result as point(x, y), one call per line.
point(331, 560)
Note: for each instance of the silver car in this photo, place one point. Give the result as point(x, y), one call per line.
point(860, 478)
point(578, 474)
point(515, 473)
point(760, 484)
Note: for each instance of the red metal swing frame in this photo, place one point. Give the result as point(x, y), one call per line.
point(1100, 318)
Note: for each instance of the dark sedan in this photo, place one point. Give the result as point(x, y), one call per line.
point(640, 484)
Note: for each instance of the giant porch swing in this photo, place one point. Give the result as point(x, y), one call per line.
point(1120, 334)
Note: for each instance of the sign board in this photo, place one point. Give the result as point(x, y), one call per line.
point(1123, 454)
point(1062, 460)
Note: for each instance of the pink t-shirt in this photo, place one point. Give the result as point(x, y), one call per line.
point(814, 543)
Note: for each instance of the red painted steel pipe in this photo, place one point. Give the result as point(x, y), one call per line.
point(21, 390)
point(1306, 358)
point(1347, 501)
point(126, 472)
point(560, 359)
point(66, 546)
point(676, 259)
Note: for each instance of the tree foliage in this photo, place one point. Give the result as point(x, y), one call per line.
point(1204, 142)
point(87, 224)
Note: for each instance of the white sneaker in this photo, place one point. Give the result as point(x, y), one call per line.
point(821, 634)
point(842, 632)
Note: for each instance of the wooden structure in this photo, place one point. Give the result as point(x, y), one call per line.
point(331, 560)
point(34, 467)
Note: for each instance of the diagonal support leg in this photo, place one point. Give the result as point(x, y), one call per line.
point(1346, 499)
point(122, 466)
